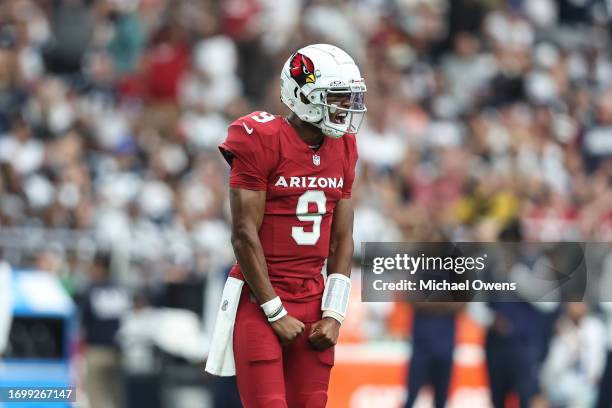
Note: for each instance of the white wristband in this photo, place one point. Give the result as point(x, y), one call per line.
point(336, 316)
point(279, 316)
point(274, 309)
point(336, 296)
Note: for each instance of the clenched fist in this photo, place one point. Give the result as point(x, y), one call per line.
point(287, 328)
point(324, 333)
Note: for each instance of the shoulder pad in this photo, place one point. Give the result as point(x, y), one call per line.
point(259, 122)
point(251, 136)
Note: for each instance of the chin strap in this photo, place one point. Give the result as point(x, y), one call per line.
point(336, 296)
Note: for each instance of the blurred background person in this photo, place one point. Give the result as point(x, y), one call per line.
point(576, 358)
point(518, 324)
point(604, 397)
point(71, 29)
point(512, 353)
point(433, 346)
point(103, 303)
point(139, 361)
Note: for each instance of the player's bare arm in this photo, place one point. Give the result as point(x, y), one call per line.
point(247, 208)
point(341, 244)
point(325, 332)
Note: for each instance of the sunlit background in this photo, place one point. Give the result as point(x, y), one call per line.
point(484, 118)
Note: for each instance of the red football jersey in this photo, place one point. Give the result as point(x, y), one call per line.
point(302, 188)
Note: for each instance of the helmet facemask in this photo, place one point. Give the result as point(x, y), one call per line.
point(343, 110)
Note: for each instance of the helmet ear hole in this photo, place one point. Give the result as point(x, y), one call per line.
point(304, 100)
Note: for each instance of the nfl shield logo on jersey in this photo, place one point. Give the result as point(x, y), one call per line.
point(316, 159)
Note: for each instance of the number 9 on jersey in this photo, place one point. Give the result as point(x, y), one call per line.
point(298, 234)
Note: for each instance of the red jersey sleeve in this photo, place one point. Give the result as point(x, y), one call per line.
point(351, 162)
point(247, 156)
point(244, 175)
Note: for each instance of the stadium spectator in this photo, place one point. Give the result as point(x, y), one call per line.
point(576, 358)
point(604, 397)
point(23, 153)
point(128, 37)
point(71, 24)
point(102, 305)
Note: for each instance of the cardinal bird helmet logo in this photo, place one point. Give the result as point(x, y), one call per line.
point(302, 69)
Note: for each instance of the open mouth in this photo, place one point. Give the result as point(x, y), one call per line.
point(339, 117)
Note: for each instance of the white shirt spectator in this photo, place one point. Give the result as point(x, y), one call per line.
point(204, 130)
point(575, 362)
point(213, 82)
point(547, 164)
point(380, 148)
point(24, 156)
point(605, 296)
point(156, 199)
point(467, 75)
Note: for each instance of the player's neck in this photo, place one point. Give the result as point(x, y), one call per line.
point(308, 132)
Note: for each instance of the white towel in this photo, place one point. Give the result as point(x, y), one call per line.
point(221, 357)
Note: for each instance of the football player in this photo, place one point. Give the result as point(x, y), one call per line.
point(290, 197)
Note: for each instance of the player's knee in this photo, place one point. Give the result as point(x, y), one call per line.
point(316, 400)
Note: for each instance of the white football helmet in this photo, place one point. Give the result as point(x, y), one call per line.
point(316, 72)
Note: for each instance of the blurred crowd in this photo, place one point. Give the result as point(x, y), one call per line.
point(482, 114)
